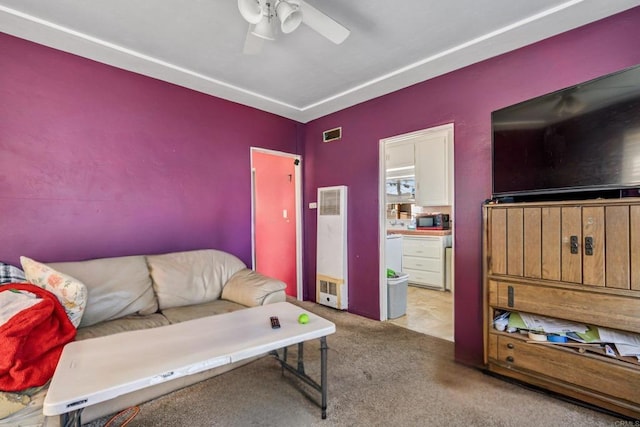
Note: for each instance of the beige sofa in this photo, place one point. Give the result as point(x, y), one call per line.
point(148, 291)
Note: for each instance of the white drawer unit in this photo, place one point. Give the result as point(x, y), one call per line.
point(423, 258)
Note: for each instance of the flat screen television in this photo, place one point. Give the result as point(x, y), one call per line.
point(583, 139)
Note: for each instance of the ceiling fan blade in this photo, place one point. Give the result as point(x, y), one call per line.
point(252, 44)
point(323, 24)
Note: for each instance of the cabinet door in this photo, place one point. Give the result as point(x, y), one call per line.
point(565, 244)
point(400, 155)
point(593, 246)
point(571, 226)
point(432, 171)
point(583, 250)
point(507, 241)
point(617, 241)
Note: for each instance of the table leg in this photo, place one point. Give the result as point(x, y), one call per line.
point(71, 419)
point(284, 357)
point(301, 357)
point(323, 375)
point(299, 370)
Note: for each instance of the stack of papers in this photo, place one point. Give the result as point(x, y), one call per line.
point(548, 325)
point(626, 343)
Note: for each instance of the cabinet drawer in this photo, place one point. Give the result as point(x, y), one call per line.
point(430, 247)
point(428, 278)
point(584, 371)
point(608, 310)
point(426, 264)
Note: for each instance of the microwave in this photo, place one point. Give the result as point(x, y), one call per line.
point(434, 221)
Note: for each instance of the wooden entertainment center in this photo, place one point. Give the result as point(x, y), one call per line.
point(570, 260)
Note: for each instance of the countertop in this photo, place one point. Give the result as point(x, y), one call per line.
point(420, 232)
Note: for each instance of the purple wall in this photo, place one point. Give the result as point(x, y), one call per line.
point(96, 161)
point(466, 98)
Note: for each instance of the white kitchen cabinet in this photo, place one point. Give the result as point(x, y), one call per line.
point(423, 258)
point(433, 158)
point(399, 156)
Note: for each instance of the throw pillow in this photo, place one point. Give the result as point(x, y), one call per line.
point(11, 274)
point(71, 293)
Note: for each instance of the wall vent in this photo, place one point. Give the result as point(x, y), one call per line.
point(332, 135)
point(331, 261)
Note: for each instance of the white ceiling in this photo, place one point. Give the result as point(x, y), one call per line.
point(198, 43)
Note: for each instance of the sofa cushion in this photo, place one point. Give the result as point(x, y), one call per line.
point(190, 312)
point(191, 277)
point(248, 287)
point(117, 287)
point(124, 324)
point(70, 291)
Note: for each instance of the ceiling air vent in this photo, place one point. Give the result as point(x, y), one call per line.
point(332, 135)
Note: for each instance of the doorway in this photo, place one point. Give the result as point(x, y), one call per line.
point(276, 217)
point(425, 159)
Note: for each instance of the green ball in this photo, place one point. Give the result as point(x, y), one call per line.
point(303, 319)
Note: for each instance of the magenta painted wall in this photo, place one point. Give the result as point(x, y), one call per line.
point(465, 98)
point(96, 161)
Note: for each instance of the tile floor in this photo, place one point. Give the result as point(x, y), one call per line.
point(428, 311)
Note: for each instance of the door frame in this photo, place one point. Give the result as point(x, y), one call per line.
point(298, 202)
point(382, 194)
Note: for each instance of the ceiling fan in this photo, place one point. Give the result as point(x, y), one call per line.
point(265, 16)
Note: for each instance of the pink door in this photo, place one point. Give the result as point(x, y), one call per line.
point(275, 217)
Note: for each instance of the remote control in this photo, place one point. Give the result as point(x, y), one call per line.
point(275, 323)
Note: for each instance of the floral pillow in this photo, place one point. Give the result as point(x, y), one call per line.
point(71, 293)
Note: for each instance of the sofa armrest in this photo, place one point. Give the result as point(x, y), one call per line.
point(272, 298)
point(250, 288)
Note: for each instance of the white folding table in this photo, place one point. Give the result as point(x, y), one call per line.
point(95, 370)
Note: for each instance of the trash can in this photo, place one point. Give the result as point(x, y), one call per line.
point(397, 295)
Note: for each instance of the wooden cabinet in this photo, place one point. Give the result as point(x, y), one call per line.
point(575, 261)
point(423, 258)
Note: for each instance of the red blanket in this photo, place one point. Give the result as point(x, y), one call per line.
point(31, 341)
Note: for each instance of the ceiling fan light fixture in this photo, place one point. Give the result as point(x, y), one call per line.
point(289, 14)
point(250, 10)
point(264, 29)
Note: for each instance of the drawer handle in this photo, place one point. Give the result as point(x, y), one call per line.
point(511, 346)
point(573, 242)
point(588, 245)
point(510, 359)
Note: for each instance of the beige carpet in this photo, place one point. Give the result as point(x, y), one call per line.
point(379, 375)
